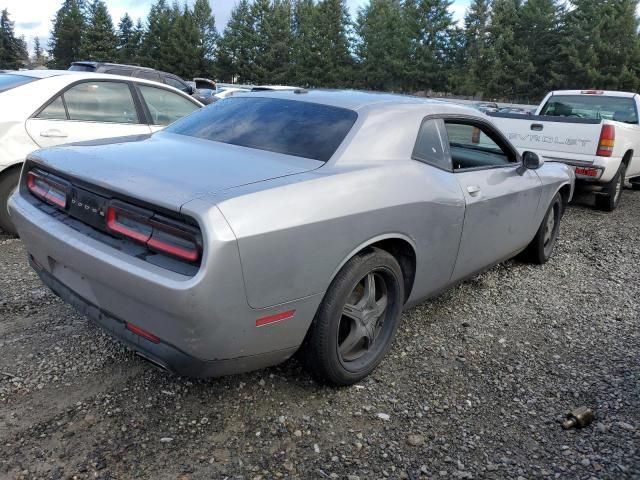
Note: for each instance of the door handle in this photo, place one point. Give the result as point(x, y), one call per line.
point(538, 127)
point(473, 190)
point(53, 133)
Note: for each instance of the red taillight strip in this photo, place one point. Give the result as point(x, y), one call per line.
point(142, 333)
point(117, 227)
point(33, 177)
point(183, 253)
point(278, 317)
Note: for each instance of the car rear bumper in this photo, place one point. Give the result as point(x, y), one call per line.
point(204, 322)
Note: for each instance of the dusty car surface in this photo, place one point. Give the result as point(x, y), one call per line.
point(271, 223)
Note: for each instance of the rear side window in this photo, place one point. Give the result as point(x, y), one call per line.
point(109, 102)
point(291, 127)
point(54, 111)
point(593, 107)
point(120, 71)
point(149, 76)
point(172, 82)
point(7, 82)
point(430, 146)
point(164, 106)
point(82, 68)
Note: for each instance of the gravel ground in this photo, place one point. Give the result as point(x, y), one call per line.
point(474, 388)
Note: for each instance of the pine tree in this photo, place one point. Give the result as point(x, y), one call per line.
point(127, 46)
point(477, 52)
point(181, 53)
point(237, 47)
point(383, 46)
point(305, 44)
point(157, 36)
point(335, 65)
point(208, 37)
point(65, 45)
point(539, 26)
point(430, 27)
point(12, 49)
point(599, 47)
point(38, 53)
point(100, 41)
point(272, 27)
point(513, 66)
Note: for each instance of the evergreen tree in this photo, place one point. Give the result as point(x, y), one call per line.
point(181, 53)
point(208, 37)
point(305, 44)
point(430, 27)
point(383, 46)
point(599, 47)
point(13, 51)
point(157, 36)
point(477, 52)
point(334, 63)
point(127, 43)
point(512, 65)
point(238, 46)
point(38, 53)
point(65, 45)
point(100, 41)
point(272, 27)
point(539, 28)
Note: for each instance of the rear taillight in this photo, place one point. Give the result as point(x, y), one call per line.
point(48, 188)
point(160, 234)
point(607, 141)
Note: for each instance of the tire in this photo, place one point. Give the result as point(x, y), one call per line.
point(336, 349)
point(610, 198)
point(635, 184)
point(8, 183)
point(541, 248)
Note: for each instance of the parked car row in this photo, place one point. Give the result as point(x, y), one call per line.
point(272, 222)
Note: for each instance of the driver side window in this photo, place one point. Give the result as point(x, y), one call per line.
point(474, 146)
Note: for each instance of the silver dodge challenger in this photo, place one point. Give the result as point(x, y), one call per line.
point(274, 223)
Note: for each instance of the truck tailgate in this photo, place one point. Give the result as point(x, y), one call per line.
point(549, 135)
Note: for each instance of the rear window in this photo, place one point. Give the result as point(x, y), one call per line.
point(82, 68)
point(8, 81)
point(593, 107)
point(290, 127)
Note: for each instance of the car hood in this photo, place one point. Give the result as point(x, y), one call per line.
point(168, 169)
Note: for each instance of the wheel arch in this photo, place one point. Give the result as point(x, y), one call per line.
point(9, 169)
point(626, 158)
point(565, 193)
point(402, 248)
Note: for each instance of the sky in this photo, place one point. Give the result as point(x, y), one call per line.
point(33, 17)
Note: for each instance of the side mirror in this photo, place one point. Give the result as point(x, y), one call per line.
point(531, 161)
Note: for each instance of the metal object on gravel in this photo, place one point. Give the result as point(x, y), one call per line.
point(578, 418)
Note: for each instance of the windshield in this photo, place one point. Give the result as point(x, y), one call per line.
point(593, 107)
point(290, 127)
point(8, 81)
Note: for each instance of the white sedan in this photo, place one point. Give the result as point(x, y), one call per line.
point(46, 108)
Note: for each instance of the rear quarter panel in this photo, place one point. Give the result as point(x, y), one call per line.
point(294, 236)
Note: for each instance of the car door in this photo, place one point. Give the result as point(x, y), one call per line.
point(87, 110)
point(164, 106)
point(501, 196)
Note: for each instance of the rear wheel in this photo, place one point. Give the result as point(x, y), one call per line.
point(635, 184)
point(609, 199)
point(541, 247)
point(8, 185)
point(355, 325)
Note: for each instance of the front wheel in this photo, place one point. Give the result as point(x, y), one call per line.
point(355, 325)
point(8, 185)
point(541, 247)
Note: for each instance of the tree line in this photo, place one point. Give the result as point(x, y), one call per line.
point(505, 49)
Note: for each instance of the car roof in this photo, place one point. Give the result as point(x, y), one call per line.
point(38, 73)
point(351, 99)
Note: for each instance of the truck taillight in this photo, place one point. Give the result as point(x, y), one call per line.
point(48, 188)
point(607, 141)
point(163, 235)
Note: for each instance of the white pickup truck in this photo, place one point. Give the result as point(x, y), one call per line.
point(595, 131)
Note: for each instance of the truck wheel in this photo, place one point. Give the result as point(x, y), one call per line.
point(609, 199)
point(541, 247)
point(8, 184)
point(355, 325)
